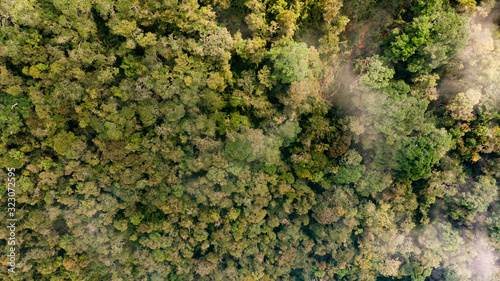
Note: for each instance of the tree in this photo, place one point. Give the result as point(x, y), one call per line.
point(349, 173)
point(477, 196)
point(238, 149)
point(290, 62)
point(462, 106)
point(434, 37)
point(415, 156)
point(217, 44)
point(69, 145)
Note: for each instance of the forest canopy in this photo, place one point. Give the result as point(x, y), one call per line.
point(251, 140)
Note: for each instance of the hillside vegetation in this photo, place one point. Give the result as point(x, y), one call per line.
point(251, 140)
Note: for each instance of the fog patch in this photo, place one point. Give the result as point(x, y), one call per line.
point(485, 264)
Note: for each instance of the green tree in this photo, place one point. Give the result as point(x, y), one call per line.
point(415, 156)
point(290, 62)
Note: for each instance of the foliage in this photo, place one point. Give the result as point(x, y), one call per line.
point(290, 62)
point(251, 140)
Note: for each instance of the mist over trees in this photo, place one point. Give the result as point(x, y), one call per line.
point(251, 140)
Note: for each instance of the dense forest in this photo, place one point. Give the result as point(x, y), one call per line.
point(250, 139)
